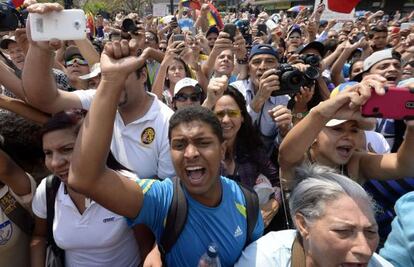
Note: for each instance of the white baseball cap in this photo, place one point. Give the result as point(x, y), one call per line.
point(186, 82)
point(95, 71)
point(365, 124)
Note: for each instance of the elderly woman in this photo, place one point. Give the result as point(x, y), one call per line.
point(324, 236)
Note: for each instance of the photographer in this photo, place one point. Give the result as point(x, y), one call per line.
point(269, 113)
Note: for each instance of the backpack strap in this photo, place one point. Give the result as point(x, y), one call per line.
point(17, 213)
point(252, 211)
point(176, 219)
point(52, 187)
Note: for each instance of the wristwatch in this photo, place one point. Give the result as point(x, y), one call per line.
point(300, 115)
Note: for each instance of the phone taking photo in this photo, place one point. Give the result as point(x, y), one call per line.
point(397, 103)
point(68, 24)
point(231, 29)
point(178, 38)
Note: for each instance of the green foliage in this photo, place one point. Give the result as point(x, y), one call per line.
point(95, 6)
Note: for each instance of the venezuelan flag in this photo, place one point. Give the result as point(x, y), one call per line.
point(90, 23)
point(214, 17)
point(16, 4)
point(193, 4)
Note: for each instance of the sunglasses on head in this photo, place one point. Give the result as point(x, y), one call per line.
point(232, 113)
point(181, 97)
point(76, 60)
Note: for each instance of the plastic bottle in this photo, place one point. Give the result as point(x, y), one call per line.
point(210, 258)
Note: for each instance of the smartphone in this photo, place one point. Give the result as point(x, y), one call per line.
point(178, 37)
point(406, 25)
point(261, 29)
point(68, 24)
point(271, 24)
point(230, 28)
point(397, 103)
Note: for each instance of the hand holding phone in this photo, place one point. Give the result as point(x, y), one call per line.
point(230, 28)
point(397, 103)
point(68, 24)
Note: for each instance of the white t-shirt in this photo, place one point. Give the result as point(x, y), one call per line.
point(98, 237)
point(377, 142)
point(14, 244)
point(275, 249)
point(142, 145)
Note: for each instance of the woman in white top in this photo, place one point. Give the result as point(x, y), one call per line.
point(89, 234)
point(335, 223)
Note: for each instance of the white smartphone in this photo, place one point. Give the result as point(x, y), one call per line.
point(406, 25)
point(68, 24)
point(271, 24)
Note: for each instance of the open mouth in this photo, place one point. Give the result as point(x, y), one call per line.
point(195, 174)
point(391, 79)
point(344, 151)
point(354, 265)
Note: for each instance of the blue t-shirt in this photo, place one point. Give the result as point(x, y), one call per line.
point(224, 225)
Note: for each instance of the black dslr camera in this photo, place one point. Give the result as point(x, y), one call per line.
point(291, 79)
point(10, 18)
point(312, 60)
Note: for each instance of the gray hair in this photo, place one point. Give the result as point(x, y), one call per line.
point(316, 185)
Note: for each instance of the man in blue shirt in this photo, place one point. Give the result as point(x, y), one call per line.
point(216, 205)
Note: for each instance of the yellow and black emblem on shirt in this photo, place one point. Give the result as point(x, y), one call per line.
point(148, 135)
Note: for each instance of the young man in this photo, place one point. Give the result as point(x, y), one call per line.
point(215, 204)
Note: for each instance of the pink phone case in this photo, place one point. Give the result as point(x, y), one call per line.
point(397, 103)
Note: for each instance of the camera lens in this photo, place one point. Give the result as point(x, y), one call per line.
point(312, 73)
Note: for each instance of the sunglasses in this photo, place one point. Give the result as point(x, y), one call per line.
point(181, 97)
point(76, 60)
point(232, 113)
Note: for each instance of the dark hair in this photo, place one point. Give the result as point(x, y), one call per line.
point(73, 119)
point(351, 66)
point(196, 113)
point(376, 28)
point(186, 68)
point(247, 139)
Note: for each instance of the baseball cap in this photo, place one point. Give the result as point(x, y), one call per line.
point(376, 57)
point(71, 52)
point(7, 39)
point(261, 49)
point(95, 71)
point(315, 45)
point(294, 28)
point(186, 82)
point(212, 29)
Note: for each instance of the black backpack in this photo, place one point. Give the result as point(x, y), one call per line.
point(177, 217)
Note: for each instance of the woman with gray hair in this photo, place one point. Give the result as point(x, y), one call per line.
point(335, 223)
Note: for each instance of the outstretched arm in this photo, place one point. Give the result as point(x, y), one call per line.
point(42, 92)
point(21, 108)
point(13, 176)
point(88, 172)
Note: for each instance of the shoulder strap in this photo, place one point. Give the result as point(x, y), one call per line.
point(52, 186)
point(298, 254)
point(176, 218)
point(17, 213)
point(252, 211)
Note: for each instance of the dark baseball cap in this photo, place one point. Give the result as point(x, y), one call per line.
point(261, 49)
point(71, 52)
point(315, 45)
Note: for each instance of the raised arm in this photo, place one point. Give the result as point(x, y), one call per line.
point(9, 80)
point(14, 176)
point(88, 172)
point(88, 51)
point(42, 92)
point(23, 109)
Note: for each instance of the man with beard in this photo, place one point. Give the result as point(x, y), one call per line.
point(139, 140)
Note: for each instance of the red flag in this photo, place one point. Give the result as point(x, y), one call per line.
point(342, 6)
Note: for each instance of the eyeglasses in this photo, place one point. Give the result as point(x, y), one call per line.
point(76, 60)
point(181, 97)
point(232, 113)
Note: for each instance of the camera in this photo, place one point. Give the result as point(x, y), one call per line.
point(128, 25)
point(292, 79)
point(312, 60)
point(10, 18)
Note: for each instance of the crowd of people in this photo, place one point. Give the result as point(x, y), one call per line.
point(164, 136)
